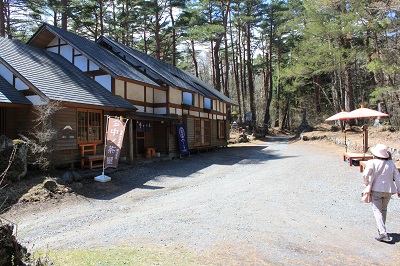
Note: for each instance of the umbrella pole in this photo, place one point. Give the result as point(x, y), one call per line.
point(365, 138)
point(345, 140)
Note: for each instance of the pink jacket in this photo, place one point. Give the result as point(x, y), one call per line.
point(384, 174)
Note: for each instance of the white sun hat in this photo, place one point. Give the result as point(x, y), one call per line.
point(380, 151)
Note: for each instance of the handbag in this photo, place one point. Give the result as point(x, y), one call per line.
point(366, 195)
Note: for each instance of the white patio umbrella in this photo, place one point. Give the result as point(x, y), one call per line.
point(343, 115)
point(365, 113)
point(339, 116)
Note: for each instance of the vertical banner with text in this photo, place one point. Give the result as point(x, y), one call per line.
point(182, 139)
point(115, 137)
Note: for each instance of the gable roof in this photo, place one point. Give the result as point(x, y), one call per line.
point(107, 61)
point(54, 78)
point(170, 74)
point(10, 95)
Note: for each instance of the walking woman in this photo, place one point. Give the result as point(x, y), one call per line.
point(383, 179)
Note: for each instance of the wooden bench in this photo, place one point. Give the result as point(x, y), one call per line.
point(357, 156)
point(89, 154)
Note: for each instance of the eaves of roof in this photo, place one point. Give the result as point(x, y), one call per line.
point(10, 95)
point(171, 74)
point(107, 61)
point(55, 78)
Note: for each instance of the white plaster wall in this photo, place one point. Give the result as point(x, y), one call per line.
point(120, 88)
point(104, 80)
point(135, 92)
point(6, 74)
point(160, 96)
point(179, 112)
point(149, 110)
point(93, 66)
point(194, 113)
point(66, 51)
point(160, 111)
point(53, 42)
point(175, 96)
point(20, 85)
point(139, 108)
point(149, 95)
point(36, 100)
point(53, 50)
point(81, 62)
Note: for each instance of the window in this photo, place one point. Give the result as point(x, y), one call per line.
point(202, 132)
point(187, 98)
point(90, 124)
point(221, 129)
point(207, 103)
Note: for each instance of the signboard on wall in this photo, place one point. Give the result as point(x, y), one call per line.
point(182, 139)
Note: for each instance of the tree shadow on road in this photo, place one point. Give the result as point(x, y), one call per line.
point(136, 176)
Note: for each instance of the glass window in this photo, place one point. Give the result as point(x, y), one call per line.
point(187, 98)
point(207, 103)
point(89, 126)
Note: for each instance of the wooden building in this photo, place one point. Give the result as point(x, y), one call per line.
point(33, 76)
point(93, 79)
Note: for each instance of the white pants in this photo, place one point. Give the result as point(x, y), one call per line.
point(380, 201)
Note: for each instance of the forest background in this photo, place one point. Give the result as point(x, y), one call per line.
point(276, 59)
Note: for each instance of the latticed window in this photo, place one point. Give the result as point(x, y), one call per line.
point(202, 132)
point(90, 123)
point(221, 129)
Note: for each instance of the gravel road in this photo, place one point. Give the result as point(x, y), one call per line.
point(261, 203)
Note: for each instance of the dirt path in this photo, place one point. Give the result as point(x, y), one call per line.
point(254, 204)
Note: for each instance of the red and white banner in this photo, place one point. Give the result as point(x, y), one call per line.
point(115, 137)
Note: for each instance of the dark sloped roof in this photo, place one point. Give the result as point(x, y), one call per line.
point(109, 62)
point(170, 74)
point(55, 77)
point(8, 94)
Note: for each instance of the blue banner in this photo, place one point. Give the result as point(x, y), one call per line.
point(182, 139)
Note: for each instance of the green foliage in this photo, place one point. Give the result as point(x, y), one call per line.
point(378, 93)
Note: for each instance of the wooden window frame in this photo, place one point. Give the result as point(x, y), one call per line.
point(221, 129)
point(183, 98)
point(204, 103)
point(202, 132)
point(88, 125)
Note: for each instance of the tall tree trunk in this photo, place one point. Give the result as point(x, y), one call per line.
point(235, 72)
point(250, 74)
point(2, 20)
point(171, 14)
point(101, 17)
point(196, 67)
point(157, 30)
point(317, 93)
point(268, 91)
point(64, 17)
point(217, 70)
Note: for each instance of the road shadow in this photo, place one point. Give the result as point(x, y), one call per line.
point(134, 176)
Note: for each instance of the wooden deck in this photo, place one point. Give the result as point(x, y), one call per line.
point(356, 156)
